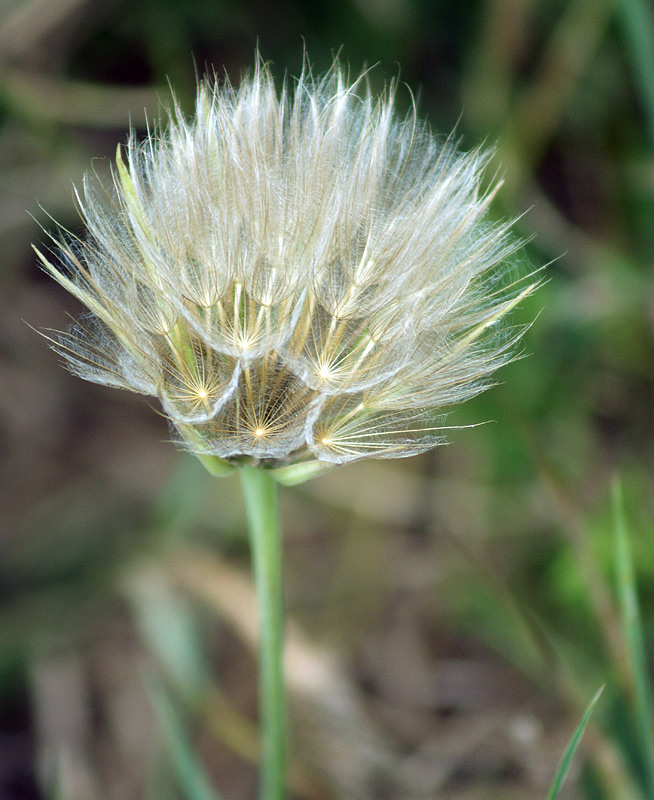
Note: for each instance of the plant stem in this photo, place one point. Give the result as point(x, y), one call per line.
point(260, 491)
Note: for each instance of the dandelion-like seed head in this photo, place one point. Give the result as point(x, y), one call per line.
point(297, 276)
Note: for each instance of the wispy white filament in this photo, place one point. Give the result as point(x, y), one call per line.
point(295, 275)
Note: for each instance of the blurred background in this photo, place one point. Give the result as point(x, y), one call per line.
point(450, 615)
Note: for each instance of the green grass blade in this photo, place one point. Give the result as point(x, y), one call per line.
point(190, 773)
point(637, 20)
point(571, 749)
point(55, 790)
point(633, 631)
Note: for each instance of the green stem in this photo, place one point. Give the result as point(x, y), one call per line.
point(260, 490)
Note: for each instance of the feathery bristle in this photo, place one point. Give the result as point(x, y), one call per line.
point(296, 275)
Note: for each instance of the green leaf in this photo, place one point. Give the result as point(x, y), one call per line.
point(633, 632)
point(190, 773)
point(168, 627)
point(637, 22)
point(571, 749)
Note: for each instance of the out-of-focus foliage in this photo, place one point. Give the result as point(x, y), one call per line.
point(450, 616)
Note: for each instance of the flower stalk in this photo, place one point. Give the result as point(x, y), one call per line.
point(261, 503)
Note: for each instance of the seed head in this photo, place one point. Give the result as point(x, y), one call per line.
point(296, 275)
